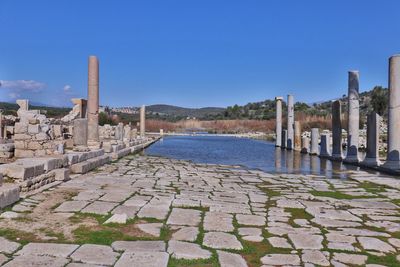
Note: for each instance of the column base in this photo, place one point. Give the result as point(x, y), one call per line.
point(391, 165)
point(370, 162)
point(353, 159)
point(95, 144)
point(336, 157)
point(325, 156)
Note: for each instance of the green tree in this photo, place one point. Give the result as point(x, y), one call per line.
point(379, 100)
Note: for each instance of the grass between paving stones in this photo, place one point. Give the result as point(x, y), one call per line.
point(336, 195)
point(270, 192)
point(19, 236)
point(373, 188)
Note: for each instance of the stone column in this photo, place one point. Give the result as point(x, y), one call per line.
point(336, 131)
point(373, 125)
point(1, 126)
point(290, 122)
point(325, 146)
point(393, 147)
point(353, 119)
point(297, 136)
point(314, 141)
point(278, 129)
point(284, 138)
point(142, 121)
point(93, 101)
point(305, 144)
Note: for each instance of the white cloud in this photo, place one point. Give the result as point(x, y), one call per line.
point(13, 95)
point(23, 85)
point(67, 88)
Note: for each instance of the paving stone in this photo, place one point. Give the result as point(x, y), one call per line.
point(37, 261)
point(186, 234)
point(220, 240)
point(142, 246)
point(10, 215)
point(48, 249)
point(280, 259)
point(354, 259)
point(99, 207)
point(188, 251)
point(188, 217)
point(3, 259)
point(72, 206)
point(227, 259)
point(7, 246)
point(371, 243)
point(315, 257)
point(117, 218)
point(306, 241)
point(218, 221)
point(153, 229)
point(143, 259)
point(76, 264)
point(130, 211)
point(279, 242)
point(95, 254)
point(255, 220)
point(159, 212)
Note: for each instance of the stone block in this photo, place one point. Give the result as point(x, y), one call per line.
point(20, 144)
point(22, 137)
point(6, 155)
point(19, 153)
point(62, 174)
point(41, 136)
point(34, 145)
point(20, 128)
point(9, 194)
point(80, 132)
point(33, 128)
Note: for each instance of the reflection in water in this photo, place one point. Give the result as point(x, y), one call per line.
point(254, 154)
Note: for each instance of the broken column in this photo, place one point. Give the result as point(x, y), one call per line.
point(325, 146)
point(290, 122)
point(142, 120)
point(81, 105)
point(336, 131)
point(1, 126)
point(93, 102)
point(297, 136)
point(278, 120)
point(353, 118)
point(305, 144)
point(393, 146)
point(373, 124)
point(284, 138)
point(314, 141)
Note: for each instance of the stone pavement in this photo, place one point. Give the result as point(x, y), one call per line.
point(151, 211)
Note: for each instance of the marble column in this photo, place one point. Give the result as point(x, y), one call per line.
point(305, 144)
point(336, 131)
point(1, 126)
point(290, 122)
point(93, 101)
point(284, 138)
point(278, 129)
point(353, 118)
point(297, 136)
point(142, 120)
point(325, 146)
point(393, 147)
point(373, 125)
point(314, 141)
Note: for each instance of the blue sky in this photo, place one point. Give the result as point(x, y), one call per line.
point(194, 53)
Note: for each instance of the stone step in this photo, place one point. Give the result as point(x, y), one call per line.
point(50, 163)
point(90, 164)
point(9, 194)
point(76, 157)
point(121, 153)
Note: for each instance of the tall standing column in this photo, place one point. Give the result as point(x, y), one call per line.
point(336, 131)
point(142, 120)
point(290, 122)
point(278, 113)
point(353, 119)
point(373, 124)
point(393, 147)
point(314, 141)
point(297, 136)
point(93, 101)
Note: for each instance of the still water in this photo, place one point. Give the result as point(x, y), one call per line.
point(253, 154)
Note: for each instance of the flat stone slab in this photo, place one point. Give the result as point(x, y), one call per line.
point(143, 259)
point(188, 251)
point(218, 221)
point(72, 206)
point(100, 207)
point(371, 243)
point(220, 240)
point(279, 242)
point(153, 229)
point(37, 261)
point(315, 257)
point(227, 259)
point(354, 259)
point(188, 217)
point(10, 215)
point(139, 246)
point(159, 212)
point(95, 254)
point(186, 234)
point(48, 249)
point(117, 218)
point(8, 247)
point(306, 241)
point(254, 220)
point(280, 259)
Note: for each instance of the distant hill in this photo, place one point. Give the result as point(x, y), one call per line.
point(184, 112)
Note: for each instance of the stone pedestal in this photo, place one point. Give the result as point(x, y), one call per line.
point(393, 148)
point(314, 150)
point(353, 119)
point(372, 157)
point(337, 153)
point(93, 101)
point(284, 139)
point(142, 121)
point(290, 122)
point(325, 146)
point(161, 132)
point(297, 136)
point(278, 127)
point(305, 145)
point(80, 133)
point(119, 132)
